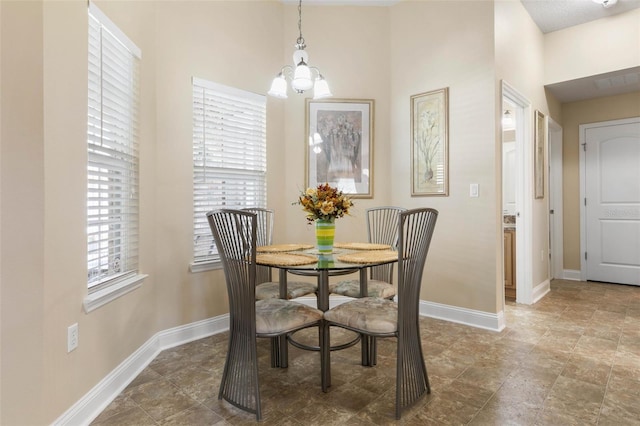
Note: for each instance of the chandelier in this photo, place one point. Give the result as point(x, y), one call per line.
point(300, 73)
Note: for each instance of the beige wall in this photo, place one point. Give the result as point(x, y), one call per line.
point(574, 114)
point(0, 213)
point(436, 45)
point(22, 192)
point(205, 40)
point(605, 45)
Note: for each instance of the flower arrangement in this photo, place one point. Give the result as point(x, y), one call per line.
point(324, 203)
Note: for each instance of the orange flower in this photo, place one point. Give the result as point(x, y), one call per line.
point(324, 202)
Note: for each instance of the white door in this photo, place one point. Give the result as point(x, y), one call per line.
point(612, 188)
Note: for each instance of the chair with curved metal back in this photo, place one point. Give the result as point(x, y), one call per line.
point(382, 228)
point(234, 232)
point(378, 317)
point(266, 287)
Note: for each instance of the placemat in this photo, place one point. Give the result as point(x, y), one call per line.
point(362, 246)
point(285, 259)
point(277, 248)
point(369, 256)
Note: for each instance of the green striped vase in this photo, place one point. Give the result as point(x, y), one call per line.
point(325, 231)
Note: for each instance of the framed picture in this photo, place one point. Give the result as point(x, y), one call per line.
point(430, 143)
point(538, 155)
point(339, 136)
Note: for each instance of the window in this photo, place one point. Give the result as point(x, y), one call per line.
point(229, 157)
point(112, 147)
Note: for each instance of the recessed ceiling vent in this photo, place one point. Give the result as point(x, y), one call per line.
point(618, 81)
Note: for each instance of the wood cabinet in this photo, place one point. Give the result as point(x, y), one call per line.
point(510, 263)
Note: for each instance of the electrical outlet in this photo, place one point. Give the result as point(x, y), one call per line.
point(72, 337)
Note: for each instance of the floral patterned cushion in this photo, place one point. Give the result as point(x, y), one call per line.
point(279, 316)
point(375, 288)
point(271, 290)
point(369, 314)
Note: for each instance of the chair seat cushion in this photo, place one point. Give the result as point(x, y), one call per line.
point(271, 290)
point(369, 314)
point(277, 316)
point(375, 288)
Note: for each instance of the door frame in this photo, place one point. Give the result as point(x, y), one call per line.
point(583, 188)
point(556, 228)
point(524, 195)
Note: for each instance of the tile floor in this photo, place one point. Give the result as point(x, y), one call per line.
point(571, 359)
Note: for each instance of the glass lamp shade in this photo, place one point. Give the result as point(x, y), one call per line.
point(321, 89)
point(302, 78)
point(279, 87)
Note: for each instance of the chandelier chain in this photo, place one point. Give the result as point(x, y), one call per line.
point(300, 42)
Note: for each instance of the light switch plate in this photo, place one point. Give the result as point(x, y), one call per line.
point(474, 190)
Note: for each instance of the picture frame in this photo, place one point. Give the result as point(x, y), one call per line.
point(430, 143)
point(339, 145)
point(538, 155)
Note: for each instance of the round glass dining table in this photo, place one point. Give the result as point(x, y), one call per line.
point(321, 265)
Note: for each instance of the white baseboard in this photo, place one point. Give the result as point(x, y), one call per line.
point(97, 399)
point(571, 274)
point(541, 290)
point(471, 317)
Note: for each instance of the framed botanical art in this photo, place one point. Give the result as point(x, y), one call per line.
point(430, 143)
point(339, 140)
point(538, 155)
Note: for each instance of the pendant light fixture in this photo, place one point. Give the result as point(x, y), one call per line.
point(507, 121)
point(300, 73)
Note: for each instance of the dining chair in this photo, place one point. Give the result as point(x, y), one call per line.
point(266, 287)
point(379, 318)
point(234, 232)
point(382, 228)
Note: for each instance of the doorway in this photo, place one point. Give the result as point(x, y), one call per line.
point(509, 210)
point(522, 187)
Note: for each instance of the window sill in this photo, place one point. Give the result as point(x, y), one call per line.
point(100, 298)
point(196, 267)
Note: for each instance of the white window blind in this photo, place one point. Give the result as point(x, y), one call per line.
point(229, 156)
point(112, 147)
